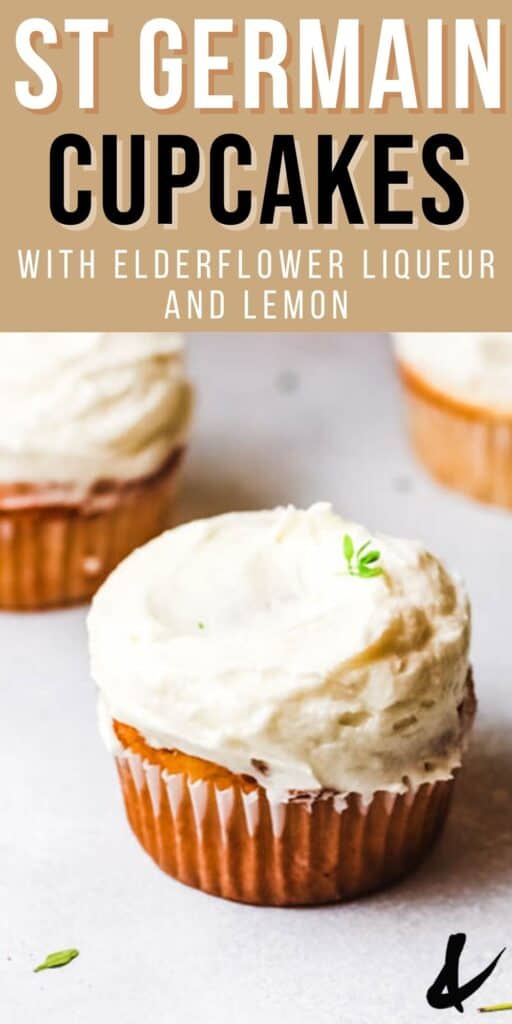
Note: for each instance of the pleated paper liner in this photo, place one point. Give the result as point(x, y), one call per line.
point(464, 447)
point(58, 553)
point(229, 839)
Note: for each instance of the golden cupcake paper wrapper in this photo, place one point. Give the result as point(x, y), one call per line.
point(463, 447)
point(58, 553)
point(237, 843)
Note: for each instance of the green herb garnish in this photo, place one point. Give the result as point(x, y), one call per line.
point(495, 1009)
point(200, 625)
point(361, 562)
point(60, 959)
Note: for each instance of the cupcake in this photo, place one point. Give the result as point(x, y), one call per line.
point(459, 404)
point(93, 430)
point(286, 699)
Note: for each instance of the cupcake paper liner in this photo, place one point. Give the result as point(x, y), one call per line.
point(237, 843)
point(463, 447)
point(54, 554)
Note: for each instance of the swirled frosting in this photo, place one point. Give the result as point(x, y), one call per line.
point(243, 639)
point(77, 408)
point(474, 368)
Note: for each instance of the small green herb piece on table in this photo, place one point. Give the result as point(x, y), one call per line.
point(495, 1009)
point(59, 959)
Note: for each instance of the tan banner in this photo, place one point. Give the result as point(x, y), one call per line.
point(301, 172)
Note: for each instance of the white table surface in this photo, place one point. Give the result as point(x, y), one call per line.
point(281, 418)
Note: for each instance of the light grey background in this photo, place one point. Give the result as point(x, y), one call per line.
point(281, 418)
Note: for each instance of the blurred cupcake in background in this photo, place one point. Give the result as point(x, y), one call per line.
point(458, 391)
point(93, 429)
point(287, 702)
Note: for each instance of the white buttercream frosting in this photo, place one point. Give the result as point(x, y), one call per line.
point(77, 408)
point(474, 368)
point(243, 638)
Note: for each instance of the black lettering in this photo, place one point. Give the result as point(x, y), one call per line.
point(283, 156)
point(59, 210)
point(218, 208)
point(385, 177)
point(337, 178)
point(111, 207)
point(434, 168)
point(168, 179)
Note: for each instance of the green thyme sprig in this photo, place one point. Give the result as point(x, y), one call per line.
point(59, 959)
point(361, 562)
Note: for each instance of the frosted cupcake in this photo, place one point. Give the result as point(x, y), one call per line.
point(93, 430)
point(287, 700)
point(459, 403)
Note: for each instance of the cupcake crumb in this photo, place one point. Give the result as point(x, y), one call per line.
point(91, 565)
